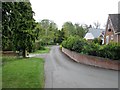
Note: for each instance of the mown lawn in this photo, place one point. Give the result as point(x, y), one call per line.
point(0, 77)
point(46, 50)
point(22, 73)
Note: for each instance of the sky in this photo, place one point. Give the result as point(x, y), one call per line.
point(76, 11)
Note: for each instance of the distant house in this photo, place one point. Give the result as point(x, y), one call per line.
point(112, 32)
point(95, 33)
point(89, 36)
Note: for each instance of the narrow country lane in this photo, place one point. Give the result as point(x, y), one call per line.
point(62, 72)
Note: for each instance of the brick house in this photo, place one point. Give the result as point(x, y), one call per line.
point(112, 32)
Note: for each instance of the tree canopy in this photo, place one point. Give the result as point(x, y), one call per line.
point(73, 29)
point(17, 26)
point(46, 30)
point(21, 32)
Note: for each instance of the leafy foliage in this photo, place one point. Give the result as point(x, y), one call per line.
point(59, 36)
point(68, 28)
point(74, 43)
point(92, 49)
point(98, 41)
point(18, 26)
point(46, 31)
point(73, 29)
point(112, 50)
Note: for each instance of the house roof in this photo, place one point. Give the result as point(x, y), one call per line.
point(115, 19)
point(89, 36)
point(96, 32)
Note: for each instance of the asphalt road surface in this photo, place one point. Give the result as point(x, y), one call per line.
point(63, 72)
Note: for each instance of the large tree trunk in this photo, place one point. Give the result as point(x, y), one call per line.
point(24, 53)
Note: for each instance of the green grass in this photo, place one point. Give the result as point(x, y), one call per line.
point(47, 50)
point(23, 73)
point(0, 72)
point(0, 77)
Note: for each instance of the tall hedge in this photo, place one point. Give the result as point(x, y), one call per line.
point(74, 43)
point(111, 50)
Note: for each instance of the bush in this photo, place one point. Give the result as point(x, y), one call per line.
point(64, 44)
point(60, 46)
point(97, 41)
point(74, 43)
point(79, 44)
point(38, 46)
point(112, 50)
point(91, 49)
point(69, 42)
point(41, 48)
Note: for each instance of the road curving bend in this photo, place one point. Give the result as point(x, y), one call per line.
point(62, 72)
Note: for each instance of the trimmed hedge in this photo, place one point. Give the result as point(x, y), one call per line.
point(74, 43)
point(91, 49)
point(111, 50)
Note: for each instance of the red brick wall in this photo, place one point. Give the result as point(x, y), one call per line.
point(92, 60)
point(109, 33)
point(9, 53)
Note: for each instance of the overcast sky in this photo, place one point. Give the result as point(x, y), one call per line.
point(76, 11)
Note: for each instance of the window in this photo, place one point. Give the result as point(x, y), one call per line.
point(109, 30)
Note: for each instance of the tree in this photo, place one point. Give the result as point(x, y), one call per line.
point(7, 27)
point(97, 25)
point(68, 29)
point(18, 25)
point(48, 28)
point(80, 31)
point(72, 30)
point(59, 36)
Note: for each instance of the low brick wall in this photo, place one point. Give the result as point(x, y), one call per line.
point(9, 53)
point(93, 60)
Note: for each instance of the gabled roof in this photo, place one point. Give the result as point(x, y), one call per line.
point(115, 19)
point(96, 32)
point(89, 36)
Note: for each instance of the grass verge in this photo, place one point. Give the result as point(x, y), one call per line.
point(47, 50)
point(0, 72)
point(23, 73)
